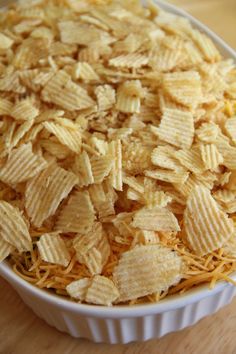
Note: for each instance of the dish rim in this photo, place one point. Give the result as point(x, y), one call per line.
point(124, 311)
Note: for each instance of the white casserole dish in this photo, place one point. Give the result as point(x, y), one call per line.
point(123, 324)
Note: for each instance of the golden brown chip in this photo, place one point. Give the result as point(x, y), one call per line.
point(85, 71)
point(191, 159)
point(106, 97)
point(145, 270)
point(162, 157)
point(177, 128)
point(24, 110)
point(102, 291)
point(157, 219)
point(5, 107)
point(77, 215)
point(207, 132)
point(82, 243)
point(83, 169)
point(206, 46)
point(53, 249)
point(5, 41)
point(115, 151)
point(230, 127)
point(62, 91)
point(132, 60)
point(5, 249)
point(206, 226)
point(14, 229)
point(92, 259)
point(179, 176)
point(77, 33)
point(45, 191)
point(77, 289)
point(101, 167)
point(211, 156)
point(21, 165)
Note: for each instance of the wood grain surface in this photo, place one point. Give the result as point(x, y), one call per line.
point(21, 332)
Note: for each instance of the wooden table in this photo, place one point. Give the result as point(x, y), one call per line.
point(21, 332)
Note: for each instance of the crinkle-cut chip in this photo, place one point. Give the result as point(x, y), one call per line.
point(77, 289)
point(82, 243)
point(102, 291)
point(89, 55)
point(61, 90)
point(230, 127)
point(131, 60)
point(130, 44)
point(224, 178)
point(100, 145)
point(92, 259)
point(179, 176)
point(70, 137)
point(30, 52)
point(134, 183)
point(20, 132)
point(146, 269)
point(45, 191)
point(21, 165)
point(5, 107)
point(93, 21)
point(5, 41)
point(14, 229)
point(102, 200)
point(11, 83)
point(165, 59)
point(206, 46)
point(127, 104)
point(177, 128)
point(84, 71)
point(83, 169)
point(5, 249)
point(101, 167)
point(156, 219)
point(210, 156)
point(207, 132)
point(77, 215)
point(106, 97)
point(52, 249)
point(194, 56)
point(27, 25)
point(133, 88)
point(73, 32)
point(230, 247)
point(207, 227)
point(55, 148)
point(115, 151)
point(42, 32)
point(121, 133)
point(192, 182)
point(27, 79)
point(191, 159)
point(136, 157)
point(224, 195)
point(105, 249)
point(161, 156)
point(184, 87)
point(49, 114)
point(24, 110)
point(58, 48)
point(154, 199)
point(227, 151)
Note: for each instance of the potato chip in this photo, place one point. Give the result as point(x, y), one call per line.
point(77, 215)
point(10, 83)
point(82, 243)
point(227, 151)
point(179, 176)
point(102, 291)
point(206, 46)
point(211, 156)
point(103, 202)
point(21, 165)
point(230, 127)
point(45, 191)
point(191, 159)
point(135, 157)
point(115, 151)
point(5, 249)
point(5, 41)
point(101, 167)
point(14, 229)
point(5, 107)
point(54, 148)
point(224, 195)
point(157, 219)
point(70, 137)
point(133, 183)
point(176, 128)
point(131, 60)
point(156, 198)
point(30, 52)
point(72, 32)
point(104, 248)
point(162, 157)
point(207, 132)
point(165, 59)
point(206, 226)
point(128, 100)
point(184, 87)
point(78, 289)
point(24, 110)
point(53, 249)
point(145, 270)
point(106, 97)
point(84, 71)
point(62, 91)
point(83, 169)
point(92, 260)
point(146, 237)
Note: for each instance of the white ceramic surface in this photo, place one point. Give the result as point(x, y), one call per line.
point(123, 324)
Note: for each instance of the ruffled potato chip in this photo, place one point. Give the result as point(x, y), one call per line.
point(5, 249)
point(77, 289)
point(102, 291)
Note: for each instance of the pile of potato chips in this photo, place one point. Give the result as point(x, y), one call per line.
point(117, 150)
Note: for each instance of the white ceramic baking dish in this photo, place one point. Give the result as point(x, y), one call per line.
point(123, 324)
